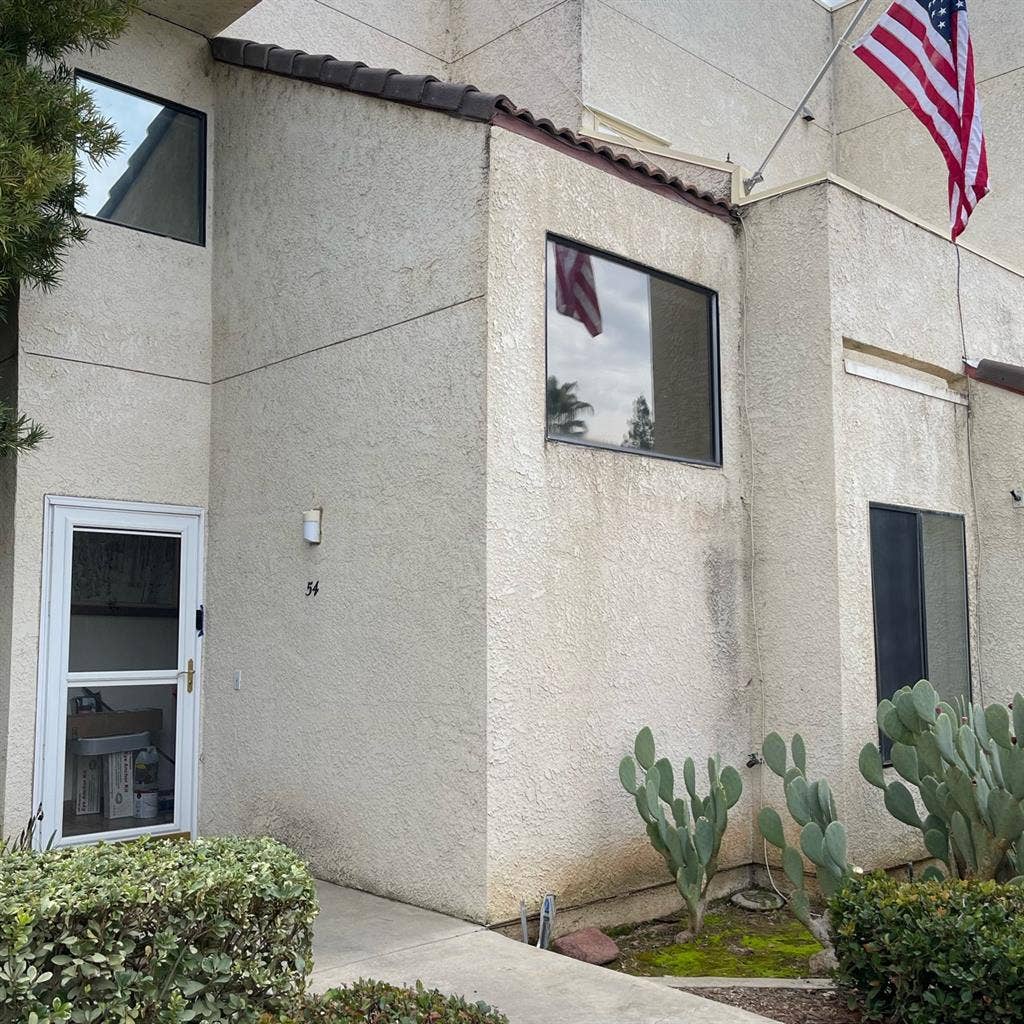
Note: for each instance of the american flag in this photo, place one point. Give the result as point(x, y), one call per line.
point(922, 50)
point(575, 291)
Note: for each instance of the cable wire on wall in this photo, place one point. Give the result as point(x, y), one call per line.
point(970, 476)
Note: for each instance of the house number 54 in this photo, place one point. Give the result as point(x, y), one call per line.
point(312, 588)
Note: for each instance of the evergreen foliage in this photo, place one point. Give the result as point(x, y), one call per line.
point(47, 124)
point(640, 429)
point(946, 951)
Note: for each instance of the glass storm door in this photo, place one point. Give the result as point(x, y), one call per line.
point(119, 671)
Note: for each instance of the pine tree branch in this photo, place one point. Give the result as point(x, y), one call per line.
point(18, 433)
point(49, 126)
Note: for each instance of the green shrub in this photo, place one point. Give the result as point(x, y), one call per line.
point(374, 1002)
point(154, 932)
point(923, 952)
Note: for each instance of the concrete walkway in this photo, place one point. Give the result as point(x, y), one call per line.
point(363, 936)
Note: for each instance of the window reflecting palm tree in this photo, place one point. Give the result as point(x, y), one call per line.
point(565, 409)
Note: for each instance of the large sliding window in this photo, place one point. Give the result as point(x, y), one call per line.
point(919, 582)
point(632, 357)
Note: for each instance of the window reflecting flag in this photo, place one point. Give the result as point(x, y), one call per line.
point(575, 290)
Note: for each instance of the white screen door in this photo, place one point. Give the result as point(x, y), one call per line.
point(118, 671)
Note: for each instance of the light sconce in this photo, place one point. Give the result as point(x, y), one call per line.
point(311, 525)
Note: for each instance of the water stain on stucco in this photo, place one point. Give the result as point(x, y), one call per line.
point(722, 598)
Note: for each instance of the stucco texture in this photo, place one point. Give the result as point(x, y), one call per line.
point(115, 362)
point(358, 733)
point(409, 36)
point(791, 417)
point(385, 224)
point(697, 74)
point(206, 16)
point(819, 258)
point(497, 615)
point(617, 594)
point(897, 447)
point(351, 361)
point(536, 64)
point(999, 467)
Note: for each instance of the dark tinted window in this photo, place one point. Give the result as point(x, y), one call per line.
point(124, 601)
point(919, 583)
point(157, 180)
point(632, 357)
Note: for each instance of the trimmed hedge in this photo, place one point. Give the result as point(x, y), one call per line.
point(380, 1003)
point(923, 952)
point(154, 932)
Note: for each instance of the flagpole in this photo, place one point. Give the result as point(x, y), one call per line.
point(758, 175)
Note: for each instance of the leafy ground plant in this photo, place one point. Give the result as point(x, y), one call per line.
point(154, 932)
point(375, 1002)
point(949, 951)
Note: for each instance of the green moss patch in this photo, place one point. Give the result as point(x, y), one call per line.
point(735, 943)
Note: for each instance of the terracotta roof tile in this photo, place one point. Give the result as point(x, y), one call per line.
point(430, 93)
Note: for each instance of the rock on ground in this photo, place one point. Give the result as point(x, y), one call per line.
point(590, 945)
point(823, 964)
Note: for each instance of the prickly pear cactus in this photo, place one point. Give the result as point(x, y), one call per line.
point(967, 765)
point(822, 835)
point(686, 830)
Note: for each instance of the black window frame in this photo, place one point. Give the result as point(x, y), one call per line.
point(202, 175)
point(714, 348)
point(918, 514)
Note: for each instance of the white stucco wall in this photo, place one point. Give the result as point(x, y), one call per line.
point(999, 466)
point(717, 80)
point(528, 50)
point(617, 594)
point(882, 147)
point(792, 416)
point(496, 615)
point(410, 35)
point(349, 323)
point(116, 363)
point(826, 265)
point(901, 448)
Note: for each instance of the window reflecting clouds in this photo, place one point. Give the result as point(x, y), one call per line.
point(631, 357)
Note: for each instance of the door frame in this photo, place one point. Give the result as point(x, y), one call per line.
point(50, 735)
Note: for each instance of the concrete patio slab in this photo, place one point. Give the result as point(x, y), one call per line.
point(363, 936)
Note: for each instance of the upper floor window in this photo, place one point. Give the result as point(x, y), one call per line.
point(632, 357)
point(157, 182)
point(919, 586)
